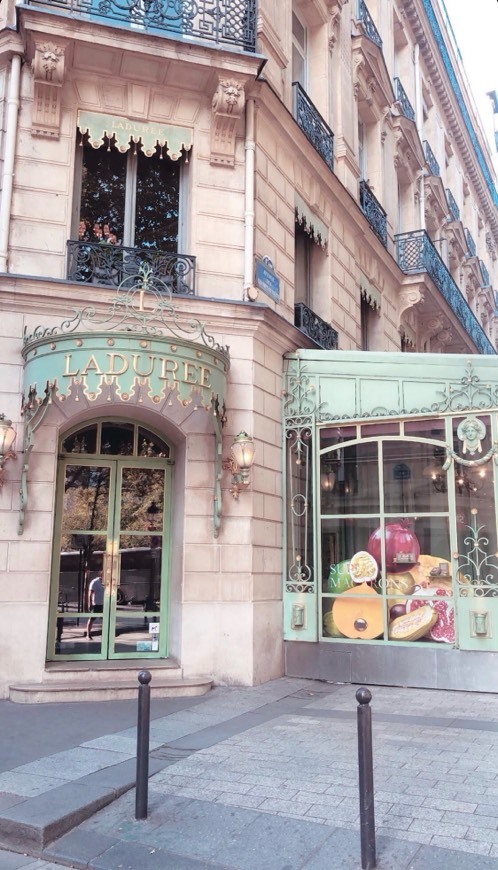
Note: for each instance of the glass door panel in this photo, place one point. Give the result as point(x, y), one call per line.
point(136, 585)
point(79, 622)
point(142, 498)
point(86, 499)
point(79, 566)
point(137, 603)
point(108, 566)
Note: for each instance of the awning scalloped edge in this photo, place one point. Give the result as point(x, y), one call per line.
point(126, 130)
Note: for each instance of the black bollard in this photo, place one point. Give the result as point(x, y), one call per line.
point(365, 766)
point(143, 728)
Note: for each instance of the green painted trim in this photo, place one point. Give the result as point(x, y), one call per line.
point(112, 533)
point(125, 130)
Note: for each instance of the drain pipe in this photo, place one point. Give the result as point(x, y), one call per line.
point(9, 155)
point(419, 111)
point(250, 148)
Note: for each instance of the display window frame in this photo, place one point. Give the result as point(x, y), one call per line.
point(444, 464)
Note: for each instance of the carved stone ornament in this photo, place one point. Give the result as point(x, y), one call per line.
point(358, 65)
point(471, 432)
point(48, 74)
point(335, 11)
point(442, 339)
point(406, 299)
point(433, 325)
point(228, 105)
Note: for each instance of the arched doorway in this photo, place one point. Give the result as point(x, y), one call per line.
point(110, 567)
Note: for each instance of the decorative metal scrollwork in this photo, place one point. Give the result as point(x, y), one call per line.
point(142, 304)
point(224, 22)
point(477, 568)
point(300, 398)
point(373, 211)
point(314, 127)
point(300, 572)
point(416, 253)
point(109, 265)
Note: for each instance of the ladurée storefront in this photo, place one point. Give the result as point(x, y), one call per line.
point(391, 541)
point(128, 390)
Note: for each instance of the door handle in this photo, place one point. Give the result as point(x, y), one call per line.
point(117, 573)
point(106, 569)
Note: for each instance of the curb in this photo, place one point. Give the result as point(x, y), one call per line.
point(32, 824)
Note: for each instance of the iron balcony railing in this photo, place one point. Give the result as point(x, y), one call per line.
point(470, 243)
point(452, 206)
point(224, 22)
point(432, 164)
point(314, 327)
point(367, 24)
point(314, 127)
point(485, 275)
point(109, 265)
point(373, 212)
point(415, 254)
point(402, 99)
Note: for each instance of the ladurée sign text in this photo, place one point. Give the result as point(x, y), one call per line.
point(142, 365)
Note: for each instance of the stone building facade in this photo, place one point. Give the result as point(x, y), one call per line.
point(190, 195)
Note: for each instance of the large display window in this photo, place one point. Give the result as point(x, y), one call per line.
point(407, 510)
point(391, 530)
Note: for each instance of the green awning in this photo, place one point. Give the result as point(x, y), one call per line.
point(126, 130)
point(369, 293)
point(310, 222)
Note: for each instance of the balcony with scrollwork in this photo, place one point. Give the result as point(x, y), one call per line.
point(367, 24)
point(452, 206)
point(226, 23)
point(416, 254)
point(324, 335)
point(314, 127)
point(373, 212)
point(470, 243)
point(109, 265)
point(431, 162)
point(403, 101)
point(485, 275)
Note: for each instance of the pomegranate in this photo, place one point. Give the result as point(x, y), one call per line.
point(402, 546)
point(443, 630)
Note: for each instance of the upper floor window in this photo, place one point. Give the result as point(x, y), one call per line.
point(370, 323)
point(302, 266)
point(128, 198)
point(366, 324)
point(299, 52)
point(362, 149)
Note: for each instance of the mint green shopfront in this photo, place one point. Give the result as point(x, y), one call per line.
point(125, 389)
point(391, 570)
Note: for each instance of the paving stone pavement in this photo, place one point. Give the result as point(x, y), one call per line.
point(268, 777)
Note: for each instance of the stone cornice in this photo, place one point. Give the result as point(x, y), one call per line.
point(442, 85)
point(10, 44)
point(35, 24)
point(41, 299)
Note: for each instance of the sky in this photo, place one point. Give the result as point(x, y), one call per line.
point(475, 26)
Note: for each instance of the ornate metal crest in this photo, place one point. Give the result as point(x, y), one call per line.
point(142, 304)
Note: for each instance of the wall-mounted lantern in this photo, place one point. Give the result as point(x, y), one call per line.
point(240, 462)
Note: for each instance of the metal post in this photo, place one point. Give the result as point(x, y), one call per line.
point(143, 728)
point(365, 766)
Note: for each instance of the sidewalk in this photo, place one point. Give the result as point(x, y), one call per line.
point(248, 779)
